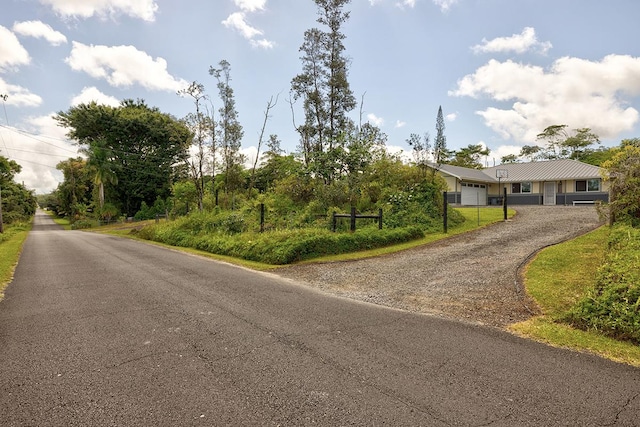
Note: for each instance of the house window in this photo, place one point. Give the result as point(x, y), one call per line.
point(520, 187)
point(588, 185)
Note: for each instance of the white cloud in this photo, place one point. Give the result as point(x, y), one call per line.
point(123, 66)
point(574, 91)
point(47, 127)
point(263, 44)
point(451, 117)
point(445, 5)
point(143, 9)
point(39, 29)
point(237, 21)
point(518, 43)
point(251, 5)
point(504, 150)
point(18, 96)
point(406, 3)
point(249, 154)
point(375, 120)
point(396, 150)
point(38, 150)
point(92, 94)
point(400, 124)
point(12, 53)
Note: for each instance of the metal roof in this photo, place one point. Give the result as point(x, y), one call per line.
point(466, 174)
point(552, 170)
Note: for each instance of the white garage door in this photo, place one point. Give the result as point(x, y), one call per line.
point(473, 194)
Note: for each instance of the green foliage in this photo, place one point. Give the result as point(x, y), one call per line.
point(276, 247)
point(624, 174)
point(613, 306)
point(18, 203)
point(469, 156)
point(133, 145)
point(83, 224)
point(146, 212)
point(107, 212)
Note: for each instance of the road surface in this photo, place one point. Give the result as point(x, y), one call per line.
point(98, 330)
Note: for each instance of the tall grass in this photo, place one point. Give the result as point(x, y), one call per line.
point(11, 242)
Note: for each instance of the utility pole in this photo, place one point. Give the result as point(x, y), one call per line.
point(4, 98)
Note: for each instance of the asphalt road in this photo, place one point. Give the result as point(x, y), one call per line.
point(98, 330)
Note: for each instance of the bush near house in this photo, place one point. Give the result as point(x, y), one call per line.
point(613, 306)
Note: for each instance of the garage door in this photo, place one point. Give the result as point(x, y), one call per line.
point(474, 194)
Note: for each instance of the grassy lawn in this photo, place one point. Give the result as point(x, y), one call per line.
point(556, 279)
point(9, 253)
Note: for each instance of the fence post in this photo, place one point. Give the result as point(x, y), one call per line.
point(445, 211)
point(353, 219)
point(261, 217)
point(334, 222)
point(504, 204)
point(379, 219)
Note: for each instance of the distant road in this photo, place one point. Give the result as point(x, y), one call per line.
point(97, 330)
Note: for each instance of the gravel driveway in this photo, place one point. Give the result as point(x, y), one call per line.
point(472, 277)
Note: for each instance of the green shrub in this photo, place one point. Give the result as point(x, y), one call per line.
point(83, 224)
point(278, 247)
point(613, 306)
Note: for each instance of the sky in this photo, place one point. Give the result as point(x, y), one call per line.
point(502, 70)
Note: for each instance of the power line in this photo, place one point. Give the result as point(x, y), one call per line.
point(34, 137)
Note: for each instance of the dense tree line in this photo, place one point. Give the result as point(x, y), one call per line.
point(557, 142)
point(131, 155)
point(18, 203)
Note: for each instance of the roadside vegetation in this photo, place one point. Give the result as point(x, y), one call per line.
point(11, 241)
point(17, 206)
point(589, 289)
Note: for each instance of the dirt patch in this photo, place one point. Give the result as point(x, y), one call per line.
point(471, 277)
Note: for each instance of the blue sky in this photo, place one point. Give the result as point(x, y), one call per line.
point(502, 70)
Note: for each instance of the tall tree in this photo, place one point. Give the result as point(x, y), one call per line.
point(101, 166)
point(229, 130)
point(201, 125)
point(554, 136)
point(270, 105)
point(531, 152)
point(324, 89)
point(563, 144)
point(75, 190)
point(145, 145)
point(421, 149)
point(470, 156)
point(580, 142)
point(440, 152)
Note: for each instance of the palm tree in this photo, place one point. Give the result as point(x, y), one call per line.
point(99, 161)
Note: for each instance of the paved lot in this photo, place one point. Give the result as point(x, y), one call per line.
point(472, 277)
point(98, 330)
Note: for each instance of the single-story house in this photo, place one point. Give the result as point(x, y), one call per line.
point(554, 182)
